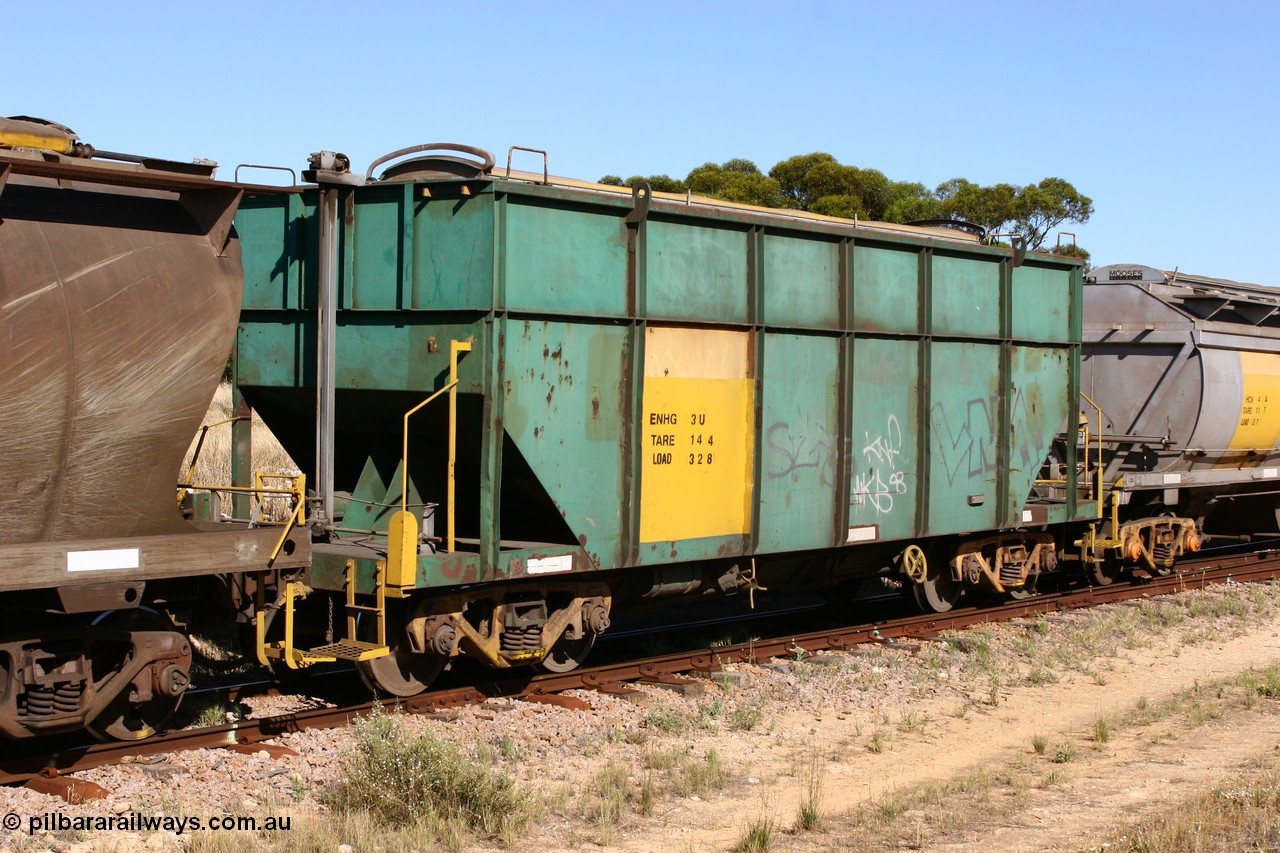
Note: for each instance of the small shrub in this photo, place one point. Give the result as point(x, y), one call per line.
point(890, 808)
point(1052, 779)
point(745, 719)
point(648, 794)
point(1039, 743)
point(703, 777)
point(605, 803)
point(1039, 677)
point(665, 719)
point(210, 712)
point(913, 721)
point(663, 759)
point(1265, 685)
point(1066, 753)
point(725, 683)
point(758, 838)
point(402, 778)
point(1243, 814)
point(710, 712)
point(1101, 731)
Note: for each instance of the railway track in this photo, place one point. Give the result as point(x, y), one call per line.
point(47, 770)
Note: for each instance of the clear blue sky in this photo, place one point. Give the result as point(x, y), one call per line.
point(1165, 114)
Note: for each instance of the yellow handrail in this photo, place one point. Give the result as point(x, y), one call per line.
point(288, 528)
point(404, 448)
point(451, 386)
point(1098, 463)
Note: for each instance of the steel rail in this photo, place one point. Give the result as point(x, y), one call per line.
point(1254, 567)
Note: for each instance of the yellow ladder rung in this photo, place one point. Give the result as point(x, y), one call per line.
point(361, 608)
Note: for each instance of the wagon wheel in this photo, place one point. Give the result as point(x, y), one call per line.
point(1027, 589)
point(1104, 572)
point(123, 719)
point(402, 673)
point(568, 654)
point(934, 591)
point(937, 594)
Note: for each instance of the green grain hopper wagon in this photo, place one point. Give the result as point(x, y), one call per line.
point(637, 395)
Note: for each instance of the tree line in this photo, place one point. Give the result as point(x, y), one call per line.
point(821, 184)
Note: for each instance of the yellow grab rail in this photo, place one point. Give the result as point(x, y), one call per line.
point(404, 447)
point(1097, 487)
point(402, 529)
point(288, 528)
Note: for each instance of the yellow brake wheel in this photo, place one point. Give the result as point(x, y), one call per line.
point(914, 564)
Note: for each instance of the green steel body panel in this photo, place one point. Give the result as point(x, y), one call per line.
point(580, 272)
point(966, 297)
point(697, 273)
point(1037, 314)
point(273, 268)
point(328, 567)
point(692, 550)
point(565, 416)
point(453, 252)
point(886, 289)
point(376, 353)
point(802, 456)
point(885, 474)
point(804, 275)
point(905, 384)
point(965, 425)
point(1039, 380)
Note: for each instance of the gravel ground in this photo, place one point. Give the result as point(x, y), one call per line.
point(757, 712)
point(526, 738)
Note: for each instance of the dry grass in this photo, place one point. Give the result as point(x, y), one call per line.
point(324, 833)
point(1042, 652)
point(809, 813)
point(213, 466)
point(758, 837)
point(1242, 814)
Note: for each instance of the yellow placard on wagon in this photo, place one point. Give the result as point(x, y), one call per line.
point(1259, 424)
point(698, 436)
